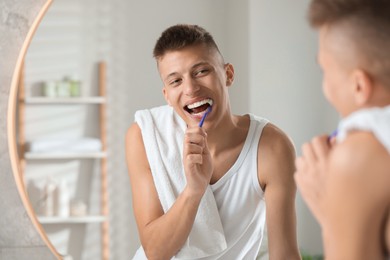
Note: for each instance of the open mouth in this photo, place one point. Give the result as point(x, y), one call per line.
point(198, 107)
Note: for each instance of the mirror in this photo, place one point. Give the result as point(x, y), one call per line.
point(269, 43)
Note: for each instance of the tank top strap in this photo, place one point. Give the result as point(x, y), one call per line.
point(259, 123)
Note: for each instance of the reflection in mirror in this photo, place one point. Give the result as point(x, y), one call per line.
point(63, 60)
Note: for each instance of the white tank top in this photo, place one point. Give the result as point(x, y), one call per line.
point(241, 203)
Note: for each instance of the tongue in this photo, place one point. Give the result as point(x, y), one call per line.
point(200, 109)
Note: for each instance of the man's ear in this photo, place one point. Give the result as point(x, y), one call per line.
point(164, 91)
point(363, 87)
point(229, 74)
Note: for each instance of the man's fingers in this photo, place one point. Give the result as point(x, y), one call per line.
point(299, 164)
point(317, 149)
point(193, 149)
point(194, 138)
point(320, 146)
point(194, 158)
point(308, 152)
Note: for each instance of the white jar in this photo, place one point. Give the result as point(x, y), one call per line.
point(48, 195)
point(74, 86)
point(63, 199)
point(50, 89)
point(78, 209)
point(63, 88)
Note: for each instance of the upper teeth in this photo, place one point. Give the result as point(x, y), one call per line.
point(200, 103)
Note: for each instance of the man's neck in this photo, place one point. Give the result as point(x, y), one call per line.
point(230, 132)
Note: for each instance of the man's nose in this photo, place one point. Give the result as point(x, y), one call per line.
point(191, 87)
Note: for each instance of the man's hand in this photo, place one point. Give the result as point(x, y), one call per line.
point(197, 160)
point(311, 173)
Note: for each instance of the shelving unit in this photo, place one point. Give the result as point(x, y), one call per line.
point(72, 220)
point(26, 156)
point(64, 101)
point(65, 155)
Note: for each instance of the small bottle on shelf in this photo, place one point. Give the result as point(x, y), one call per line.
point(63, 199)
point(48, 195)
point(74, 85)
point(78, 208)
point(63, 88)
point(50, 89)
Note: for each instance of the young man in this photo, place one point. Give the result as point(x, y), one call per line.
point(211, 191)
point(346, 180)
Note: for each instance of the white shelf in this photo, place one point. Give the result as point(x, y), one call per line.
point(65, 155)
point(71, 220)
point(64, 100)
point(63, 151)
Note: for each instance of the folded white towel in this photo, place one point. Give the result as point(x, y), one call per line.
point(375, 120)
point(65, 145)
point(163, 135)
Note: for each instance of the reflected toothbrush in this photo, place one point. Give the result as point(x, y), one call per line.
point(204, 116)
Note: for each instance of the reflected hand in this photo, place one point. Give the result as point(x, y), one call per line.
point(197, 160)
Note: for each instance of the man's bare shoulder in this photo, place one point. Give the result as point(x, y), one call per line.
point(133, 131)
point(276, 141)
point(357, 196)
point(133, 138)
point(276, 155)
point(359, 163)
point(135, 149)
point(361, 153)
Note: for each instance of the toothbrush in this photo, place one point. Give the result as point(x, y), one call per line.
point(204, 116)
point(332, 135)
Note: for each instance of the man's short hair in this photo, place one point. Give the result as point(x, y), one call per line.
point(180, 36)
point(368, 25)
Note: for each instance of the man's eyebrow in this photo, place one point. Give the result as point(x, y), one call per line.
point(170, 75)
point(200, 64)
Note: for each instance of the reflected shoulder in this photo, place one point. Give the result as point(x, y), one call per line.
point(133, 132)
point(276, 140)
point(276, 157)
point(135, 150)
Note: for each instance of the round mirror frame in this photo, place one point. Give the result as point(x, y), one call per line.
point(11, 129)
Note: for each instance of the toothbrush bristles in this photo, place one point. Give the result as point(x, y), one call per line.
point(204, 116)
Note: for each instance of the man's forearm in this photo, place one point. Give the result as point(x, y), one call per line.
point(165, 236)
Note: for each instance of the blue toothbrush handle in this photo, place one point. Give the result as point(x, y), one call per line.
point(204, 116)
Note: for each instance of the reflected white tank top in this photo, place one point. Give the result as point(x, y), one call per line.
point(241, 203)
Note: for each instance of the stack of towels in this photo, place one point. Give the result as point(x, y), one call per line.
point(65, 145)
